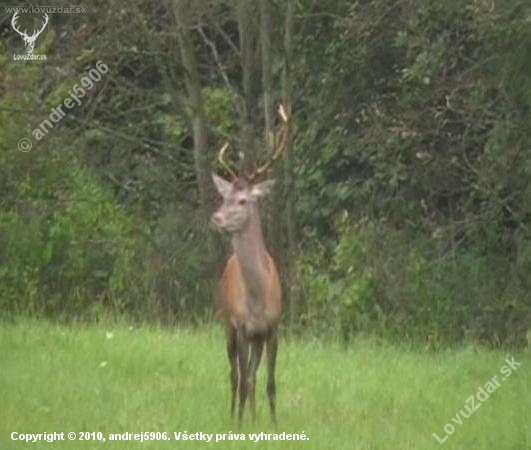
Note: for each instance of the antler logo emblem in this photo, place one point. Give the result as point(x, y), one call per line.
point(29, 41)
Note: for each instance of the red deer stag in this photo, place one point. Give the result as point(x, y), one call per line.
point(250, 292)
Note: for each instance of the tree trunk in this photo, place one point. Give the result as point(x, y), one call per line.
point(247, 26)
point(289, 182)
point(198, 117)
point(267, 73)
point(275, 225)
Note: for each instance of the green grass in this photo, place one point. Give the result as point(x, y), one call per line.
point(371, 396)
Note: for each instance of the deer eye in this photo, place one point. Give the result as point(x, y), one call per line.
point(242, 201)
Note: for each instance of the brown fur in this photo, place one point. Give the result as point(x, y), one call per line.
point(245, 327)
point(232, 298)
point(250, 297)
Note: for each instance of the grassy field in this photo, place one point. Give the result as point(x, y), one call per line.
point(126, 379)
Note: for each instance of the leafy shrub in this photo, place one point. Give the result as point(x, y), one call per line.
point(379, 281)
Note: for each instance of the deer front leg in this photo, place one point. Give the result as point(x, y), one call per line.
point(256, 354)
point(243, 356)
point(232, 353)
point(271, 351)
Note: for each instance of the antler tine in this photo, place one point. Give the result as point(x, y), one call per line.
point(14, 23)
point(279, 148)
point(221, 159)
point(37, 32)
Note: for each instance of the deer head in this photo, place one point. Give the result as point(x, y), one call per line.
point(239, 201)
point(240, 195)
point(29, 41)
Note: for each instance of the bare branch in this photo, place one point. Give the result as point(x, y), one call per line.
point(215, 54)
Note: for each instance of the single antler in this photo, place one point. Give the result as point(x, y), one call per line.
point(280, 145)
point(14, 24)
point(221, 159)
point(36, 33)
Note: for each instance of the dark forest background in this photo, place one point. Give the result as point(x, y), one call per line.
point(403, 202)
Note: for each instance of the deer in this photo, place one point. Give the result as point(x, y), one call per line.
point(29, 41)
point(250, 294)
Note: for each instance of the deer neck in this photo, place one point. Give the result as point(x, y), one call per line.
point(249, 248)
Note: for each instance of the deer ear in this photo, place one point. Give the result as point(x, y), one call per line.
point(262, 189)
point(223, 186)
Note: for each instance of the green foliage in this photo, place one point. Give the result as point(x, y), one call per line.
point(221, 108)
point(156, 280)
point(378, 280)
point(64, 254)
point(411, 156)
point(172, 127)
point(87, 255)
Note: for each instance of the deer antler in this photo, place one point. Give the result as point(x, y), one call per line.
point(24, 33)
point(14, 24)
point(280, 144)
point(221, 159)
point(36, 33)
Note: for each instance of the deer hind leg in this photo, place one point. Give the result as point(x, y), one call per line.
point(243, 356)
point(271, 351)
point(257, 345)
point(232, 352)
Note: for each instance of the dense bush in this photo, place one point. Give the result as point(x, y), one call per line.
point(381, 281)
point(411, 156)
point(69, 250)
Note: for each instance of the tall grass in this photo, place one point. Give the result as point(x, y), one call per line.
point(370, 396)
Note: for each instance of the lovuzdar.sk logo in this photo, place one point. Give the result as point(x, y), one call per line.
point(29, 39)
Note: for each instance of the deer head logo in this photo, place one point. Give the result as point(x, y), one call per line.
point(29, 41)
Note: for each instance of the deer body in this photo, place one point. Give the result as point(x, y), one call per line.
point(250, 292)
point(251, 296)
